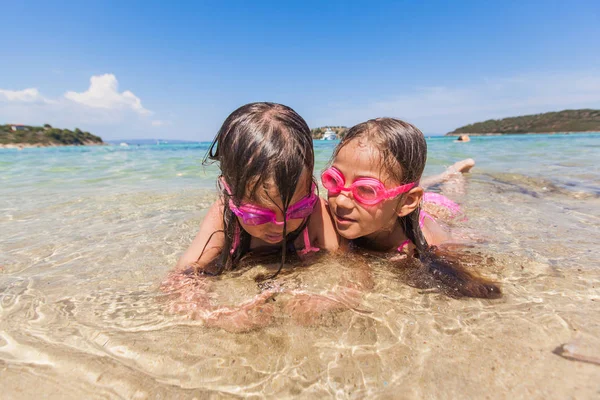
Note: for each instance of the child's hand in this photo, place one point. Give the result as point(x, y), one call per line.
point(249, 315)
point(188, 293)
point(193, 297)
point(306, 308)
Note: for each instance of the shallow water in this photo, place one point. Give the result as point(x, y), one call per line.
point(87, 235)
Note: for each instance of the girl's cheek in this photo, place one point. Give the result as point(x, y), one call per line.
point(369, 220)
point(293, 225)
point(252, 230)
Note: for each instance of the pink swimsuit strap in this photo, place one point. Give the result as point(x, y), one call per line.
point(403, 245)
point(307, 246)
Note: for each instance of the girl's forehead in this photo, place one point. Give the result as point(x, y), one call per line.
point(358, 159)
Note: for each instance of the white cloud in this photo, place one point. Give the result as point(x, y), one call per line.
point(30, 95)
point(103, 93)
point(158, 123)
point(439, 109)
point(101, 109)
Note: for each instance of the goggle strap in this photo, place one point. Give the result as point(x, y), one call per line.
point(236, 240)
point(400, 189)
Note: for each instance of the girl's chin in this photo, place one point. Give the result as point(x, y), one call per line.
point(349, 233)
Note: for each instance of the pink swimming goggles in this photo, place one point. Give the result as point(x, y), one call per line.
point(252, 214)
point(368, 191)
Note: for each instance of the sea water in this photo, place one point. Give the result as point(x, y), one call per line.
point(87, 235)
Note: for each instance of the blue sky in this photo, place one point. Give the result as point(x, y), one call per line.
point(175, 70)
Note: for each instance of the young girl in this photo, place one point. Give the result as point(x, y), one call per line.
point(375, 200)
point(267, 201)
point(267, 194)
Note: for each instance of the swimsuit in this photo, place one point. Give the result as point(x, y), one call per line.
point(433, 198)
point(307, 246)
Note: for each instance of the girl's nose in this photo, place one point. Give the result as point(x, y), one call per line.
point(342, 200)
point(278, 220)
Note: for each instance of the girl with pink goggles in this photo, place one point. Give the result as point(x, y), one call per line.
point(367, 191)
point(251, 214)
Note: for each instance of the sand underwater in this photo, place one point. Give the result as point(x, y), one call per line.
point(87, 235)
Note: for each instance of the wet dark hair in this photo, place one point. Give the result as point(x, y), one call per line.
point(258, 142)
point(403, 151)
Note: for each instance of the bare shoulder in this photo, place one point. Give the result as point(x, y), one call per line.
point(321, 227)
point(209, 240)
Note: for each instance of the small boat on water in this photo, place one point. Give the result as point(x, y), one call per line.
point(123, 144)
point(329, 135)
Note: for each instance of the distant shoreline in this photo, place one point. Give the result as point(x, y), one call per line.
point(40, 145)
point(518, 134)
point(17, 136)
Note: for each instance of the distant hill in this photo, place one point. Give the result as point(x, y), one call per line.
point(317, 133)
point(28, 136)
point(585, 120)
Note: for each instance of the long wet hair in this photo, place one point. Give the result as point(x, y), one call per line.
point(403, 151)
point(259, 142)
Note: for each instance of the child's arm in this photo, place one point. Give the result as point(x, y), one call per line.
point(193, 296)
point(195, 292)
point(210, 236)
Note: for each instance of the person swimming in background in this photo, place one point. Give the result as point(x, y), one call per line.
point(267, 202)
point(375, 199)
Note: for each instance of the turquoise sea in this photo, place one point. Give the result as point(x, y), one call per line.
point(87, 235)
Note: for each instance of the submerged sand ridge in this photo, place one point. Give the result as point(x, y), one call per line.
point(82, 314)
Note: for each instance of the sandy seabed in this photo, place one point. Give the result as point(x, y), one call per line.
point(82, 314)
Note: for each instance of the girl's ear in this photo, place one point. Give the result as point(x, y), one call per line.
point(411, 201)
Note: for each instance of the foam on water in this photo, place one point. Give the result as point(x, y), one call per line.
point(87, 235)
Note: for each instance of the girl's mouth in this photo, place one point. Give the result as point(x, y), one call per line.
point(343, 220)
point(274, 238)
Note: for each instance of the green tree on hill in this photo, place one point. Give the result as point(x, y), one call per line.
point(585, 120)
point(46, 136)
